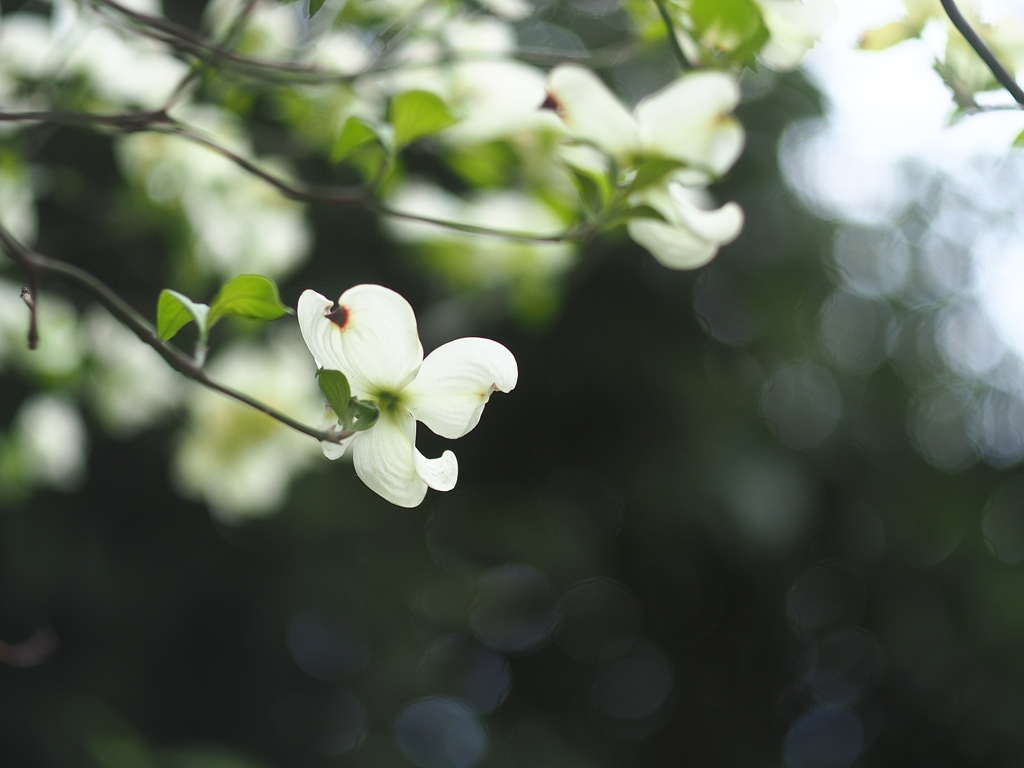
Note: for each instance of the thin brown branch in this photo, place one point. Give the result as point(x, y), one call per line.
point(1001, 73)
point(673, 41)
point(197, 70)
point(211, 53)
point(28, 295)
point(38, 265)
point(337, 196)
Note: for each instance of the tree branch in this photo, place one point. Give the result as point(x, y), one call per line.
point(336, 196)
point(37, 265)
point(185, 40)
point(1001, 73)
point(197, 69)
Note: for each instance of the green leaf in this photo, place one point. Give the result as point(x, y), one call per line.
point(252, 296)
point(636, 212)
point(174, 311)
point(362, 414)
point(355, 134)
point(335, 387)
point(733, 27)
point(418, 113)
point(314, 6)
point(651, 170)
point(1019, 141)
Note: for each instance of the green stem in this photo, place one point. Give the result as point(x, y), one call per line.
point(673, 41)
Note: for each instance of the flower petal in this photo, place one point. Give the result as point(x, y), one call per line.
point(673, 246)
point(319, 333)
point(372, 337)
point(720, 226)
point(335, 451)
point(455, 382)
point(379, 337)
point(688, 121)
point(440, 474)
point(592, 112)
point(383, 458)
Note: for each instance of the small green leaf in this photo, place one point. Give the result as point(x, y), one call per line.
point(362, 414)
point(590, 192)
point(636, 212)
point(418, 113)
point(651, 170)
point(335, 387)
point(252, 296)
point(354, 135)
point(314, 6)
point(733, 27)
point(174, 311)
point(1019, 141)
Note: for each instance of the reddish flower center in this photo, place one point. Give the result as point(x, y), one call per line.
point(338, 315)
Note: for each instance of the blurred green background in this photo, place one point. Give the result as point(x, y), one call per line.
point(697, 533)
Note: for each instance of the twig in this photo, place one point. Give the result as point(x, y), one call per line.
point(196, 70)
point(1001, 73)
point(185, 40)
point(28, 295)
point(337, 196)
point(36, 264)
point(673, 41)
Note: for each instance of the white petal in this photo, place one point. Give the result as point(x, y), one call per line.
point(592, 112)
point(319, 333)
point(720, 226)
point(688, 121)
point(440, 474)
point(373, 341)
point(455, 382)
point(335, 451)
point(673, 246)
point(383, 458)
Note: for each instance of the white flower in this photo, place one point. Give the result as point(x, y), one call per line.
point(686, 121)
point(795, 26)
point(692, 235)
point(371, 337)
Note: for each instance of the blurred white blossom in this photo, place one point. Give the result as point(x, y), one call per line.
point(17, 202)
point(794, 26)
point(240, 223)
point(48, 445)
point(239, 460)
point(272, 30)
point(129, 385)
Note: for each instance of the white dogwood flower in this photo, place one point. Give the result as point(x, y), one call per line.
point(370, 335)
point(691, 234)
point(687, 121)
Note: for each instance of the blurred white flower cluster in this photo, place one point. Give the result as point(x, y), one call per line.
point(235, 458)
point(959, 64)
point(542, 159)
point(237, 223)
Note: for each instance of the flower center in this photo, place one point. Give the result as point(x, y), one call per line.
point(338, 315)
point(390, 403)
